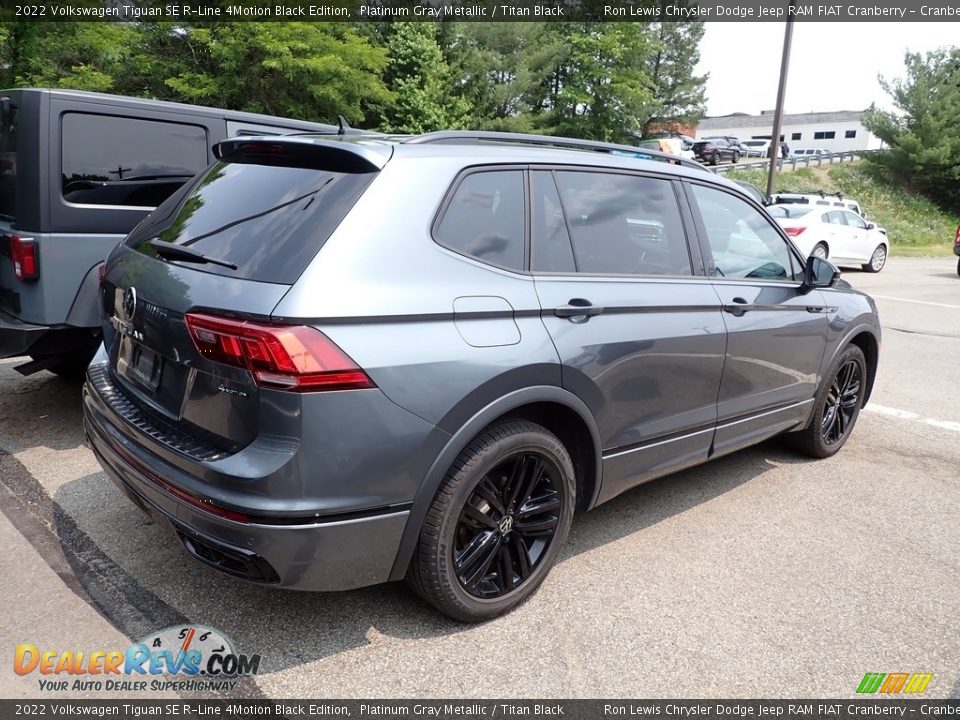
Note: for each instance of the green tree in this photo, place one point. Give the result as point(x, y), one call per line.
point(80, 56)
point(305, 70)
point(420, 79)
point(678, 94)
point(923, 135)
point(600, 86)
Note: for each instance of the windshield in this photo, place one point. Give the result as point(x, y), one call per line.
point(267, 220)
point(8, 164)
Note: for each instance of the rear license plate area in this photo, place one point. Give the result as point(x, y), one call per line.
point(139, 364)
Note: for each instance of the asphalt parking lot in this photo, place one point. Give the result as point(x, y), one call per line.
point(762, 574)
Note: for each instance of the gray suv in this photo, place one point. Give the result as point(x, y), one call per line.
point(329, 363)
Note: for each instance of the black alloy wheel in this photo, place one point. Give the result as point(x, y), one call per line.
point(836, 406)
point(496, 524)
point(843, 401)
point(507, 525)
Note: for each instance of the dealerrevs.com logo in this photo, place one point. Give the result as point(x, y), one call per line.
point(176, 658)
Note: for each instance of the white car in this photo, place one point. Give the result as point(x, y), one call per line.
point(756, 148)
point(808, 152)
point(835, 233)
point(822, 200)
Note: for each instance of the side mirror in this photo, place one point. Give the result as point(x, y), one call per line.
point(819, 273)
point(871, 226)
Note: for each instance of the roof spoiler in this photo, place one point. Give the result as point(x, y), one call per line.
point(304, 152)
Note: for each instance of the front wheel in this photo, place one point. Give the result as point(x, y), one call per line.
point(958, 266)
point(714, 159)
point(877, 260)
point(819, 251)
point(837, 406)
point(736, 158)
point(497, 523)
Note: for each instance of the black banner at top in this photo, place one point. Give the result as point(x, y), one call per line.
point(479, 10)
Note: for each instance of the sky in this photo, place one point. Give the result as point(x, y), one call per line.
point(833, 66)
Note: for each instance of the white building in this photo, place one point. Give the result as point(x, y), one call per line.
point(830, 131)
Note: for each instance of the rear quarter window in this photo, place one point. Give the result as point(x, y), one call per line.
point(8, 165)
point(484, 218)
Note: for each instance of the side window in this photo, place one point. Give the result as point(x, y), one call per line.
point(485, 218)
point(109, 160)
point(624, 224)
point(834, 218)
point(743, 242)
point(551, 250)
point(854, 221)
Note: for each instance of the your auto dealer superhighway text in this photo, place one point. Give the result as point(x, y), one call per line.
point(761, 710)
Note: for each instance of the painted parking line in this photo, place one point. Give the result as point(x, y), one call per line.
point(907, 415)
point(917, 302)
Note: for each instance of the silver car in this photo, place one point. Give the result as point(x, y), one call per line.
point(329, 363)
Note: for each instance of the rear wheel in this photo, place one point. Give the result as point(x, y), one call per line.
point(958, 266)
point(496, 526)
point(877, 260)
point(820, 251)
point(837, 406)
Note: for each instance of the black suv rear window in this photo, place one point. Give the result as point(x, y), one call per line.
point(268, 220)
point(8, 165)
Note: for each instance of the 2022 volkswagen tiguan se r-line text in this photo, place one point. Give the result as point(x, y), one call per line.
point(330, 363)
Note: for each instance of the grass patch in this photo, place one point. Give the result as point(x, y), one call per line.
point(915, 225)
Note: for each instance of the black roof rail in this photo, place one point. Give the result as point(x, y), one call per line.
point(506, 138)
point(822, 193)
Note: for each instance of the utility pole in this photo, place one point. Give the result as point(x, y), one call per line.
point(781, 92)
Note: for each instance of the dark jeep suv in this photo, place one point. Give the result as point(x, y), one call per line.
point(332, 363)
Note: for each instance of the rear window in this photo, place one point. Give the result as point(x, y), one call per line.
point(781, 211)
point(8, 164)
point(268, 220)
point(118, 161)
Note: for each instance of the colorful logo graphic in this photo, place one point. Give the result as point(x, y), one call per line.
point(892, 683)
point(190, 651)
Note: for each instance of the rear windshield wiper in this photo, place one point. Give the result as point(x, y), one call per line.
point(171, 251)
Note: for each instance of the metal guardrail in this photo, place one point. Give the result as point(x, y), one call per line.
point(792, 162)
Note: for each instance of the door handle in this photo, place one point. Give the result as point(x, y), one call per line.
point(577, 307)
point(738, 307)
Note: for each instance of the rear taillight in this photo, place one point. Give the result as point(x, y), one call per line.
point(289, 357)
point(793, 231)
point(23, 252)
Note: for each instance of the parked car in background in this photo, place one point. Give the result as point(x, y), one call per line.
point(956, 248)
point(715, 150)
point(822, 199)
point(78, 171)
point(672, 146)
point(756, 148)
point(568, 323)
point(807, 152)
point(838, 234)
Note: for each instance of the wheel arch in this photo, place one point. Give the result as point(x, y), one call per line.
point(558, 410)
point(869, 344)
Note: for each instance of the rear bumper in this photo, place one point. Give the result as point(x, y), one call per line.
point(339, 552)
point(17, 337)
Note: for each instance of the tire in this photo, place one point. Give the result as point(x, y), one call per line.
point(958, 266)
point(714, 159)
point(474, 561)
point(877, 260)
point(736, 158)
point(820, 250)
point(837, 406)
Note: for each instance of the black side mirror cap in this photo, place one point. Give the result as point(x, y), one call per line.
point(819, 273)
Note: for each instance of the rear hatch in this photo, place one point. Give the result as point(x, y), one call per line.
point(187, 298)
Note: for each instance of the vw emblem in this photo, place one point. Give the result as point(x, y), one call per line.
point(130, 302)
point(506, 524)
